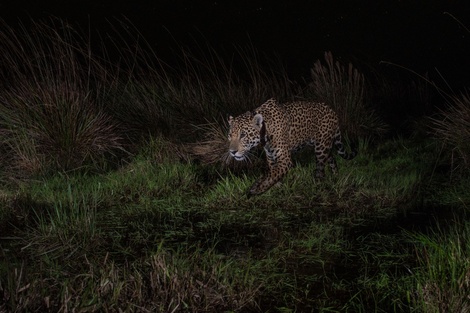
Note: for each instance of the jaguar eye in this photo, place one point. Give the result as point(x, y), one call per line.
point(242, 135)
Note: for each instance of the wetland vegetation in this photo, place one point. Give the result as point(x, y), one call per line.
point(116, 195)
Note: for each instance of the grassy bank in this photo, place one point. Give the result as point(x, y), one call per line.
point(177, 236)
point(106, 204)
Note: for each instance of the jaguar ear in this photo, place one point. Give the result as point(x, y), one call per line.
point(257, 121)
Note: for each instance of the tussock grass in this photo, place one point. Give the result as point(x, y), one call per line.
point(67, 106)
point(452, 129)
point(214, 147)
point(443, 274)
point(344, 89)
point(51, 112)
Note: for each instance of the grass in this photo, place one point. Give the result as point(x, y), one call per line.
point(52, 118)
point(443, 288)
point(452, 129)
point(344, 89)
point(168, 238)
point(108, 204)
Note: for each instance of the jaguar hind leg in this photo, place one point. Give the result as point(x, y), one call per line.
point(332, 164)
point(322, 157)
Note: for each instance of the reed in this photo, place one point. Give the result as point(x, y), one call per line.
point(344, 89)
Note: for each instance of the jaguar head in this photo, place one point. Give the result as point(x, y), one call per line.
point(246, 132)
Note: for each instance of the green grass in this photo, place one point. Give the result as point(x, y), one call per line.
point(442, 278)
point(175, 235)
point(109, 202)
point(451, 128)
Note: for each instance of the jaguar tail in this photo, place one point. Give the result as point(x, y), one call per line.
point(338, 143)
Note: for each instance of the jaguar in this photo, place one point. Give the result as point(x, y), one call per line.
point(282, 129)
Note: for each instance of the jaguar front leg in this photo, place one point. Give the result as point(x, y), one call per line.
point(254, 189)
point(279, 163)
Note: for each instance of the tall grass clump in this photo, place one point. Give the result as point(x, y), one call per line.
point(451, 128)
point(51, 115)
point(344, 89)
point(443, 275)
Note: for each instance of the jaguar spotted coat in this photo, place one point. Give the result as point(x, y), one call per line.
point(281, 129)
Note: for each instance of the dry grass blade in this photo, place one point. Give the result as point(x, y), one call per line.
point(452, 128)
point(51, 115)
point(343, 88)
point(213, 148)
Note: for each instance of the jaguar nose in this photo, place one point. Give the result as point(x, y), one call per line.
point(232, 152)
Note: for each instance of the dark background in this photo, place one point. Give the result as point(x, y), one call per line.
point(418, 35)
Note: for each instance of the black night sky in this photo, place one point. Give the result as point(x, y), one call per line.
point(419, 35)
